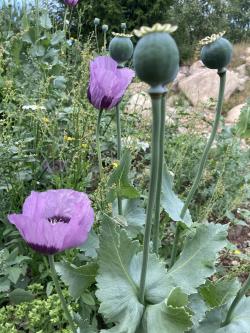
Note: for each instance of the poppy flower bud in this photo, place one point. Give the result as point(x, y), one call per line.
point(156, 56)
point(121, 48)
point(105, 28)
point(96, 21)
point(216, 52)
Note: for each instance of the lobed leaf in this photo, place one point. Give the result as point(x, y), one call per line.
point(170, 316)
point(78, 279)
point(197, 259)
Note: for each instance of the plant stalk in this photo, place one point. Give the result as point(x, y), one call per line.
point(59, 292)
point(240, 294)
point(98, 148)
point(159, 180)
point(96, 38)
point(156, 111)
point(119, 148)
point(222, 75)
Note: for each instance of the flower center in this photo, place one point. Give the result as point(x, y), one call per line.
point(58, 219)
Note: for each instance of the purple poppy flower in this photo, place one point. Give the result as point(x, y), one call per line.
point(107, 82)
point(71, 3)
point(54, 220)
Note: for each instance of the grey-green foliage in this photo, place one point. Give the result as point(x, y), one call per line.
point(120, 261)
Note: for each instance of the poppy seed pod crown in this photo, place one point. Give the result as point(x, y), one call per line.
point(156, 56)
point(216, 52)
point(121, 48)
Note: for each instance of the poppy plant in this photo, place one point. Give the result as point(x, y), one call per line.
point(54, 220)
point(107, 86)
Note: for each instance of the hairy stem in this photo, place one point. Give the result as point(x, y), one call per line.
point(59, 292)
point(156, 108)
point(202, 164)
point(240, 294)
point(98, 148)
point(159, 179)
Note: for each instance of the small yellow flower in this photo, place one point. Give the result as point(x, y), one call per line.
point(46, 120)
point(115, 164)
point(84, 145)
point(237, 252)
point(68, 138)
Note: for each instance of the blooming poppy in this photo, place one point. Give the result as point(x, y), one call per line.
point(107, 82)
point(71, 3)
point(54, 220)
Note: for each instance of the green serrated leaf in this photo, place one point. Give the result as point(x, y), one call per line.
point(78, 279)
point(4, 284)
point(240, 322)
point(133, 214)
point(170, 316)
point(198, 307)
point(57, 37)
point(119, 181)
point(196, 261)
point(117, 291)
point(18, 296)
point(91, 245)
point(218, 293)
point(60, 82)
point(240, 319)
point(243, 125)
point(177, 298)
point(170, 201)
point(14, 273)
point(45, 21)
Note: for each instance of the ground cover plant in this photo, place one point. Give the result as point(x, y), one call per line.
point(94, 237)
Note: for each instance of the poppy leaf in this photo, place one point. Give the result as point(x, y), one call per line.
point(170, 201)
point(119, 180)
point(78, 279)
point(197, 259)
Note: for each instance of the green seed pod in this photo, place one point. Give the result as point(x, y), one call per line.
point(216, 52)
point(121, 48)
point(96, 21)
point(105, 28)
point(156, 56)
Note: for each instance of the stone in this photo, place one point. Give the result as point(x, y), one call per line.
point(203, 85)
point(241, 70)
point(233, 115)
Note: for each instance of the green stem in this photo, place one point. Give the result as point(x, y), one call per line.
point(64, 20)
point(118, 129)
point(104, 41)
point(202, 164)
point(96, 38)
point(156, 108)
point(159, 180)
point(98, 148)
point(59, 292)
point(240, 294)
point(119, 148)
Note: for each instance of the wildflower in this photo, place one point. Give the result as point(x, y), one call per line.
point(71, 3)
point(107, 82)
point(237, 252)
point(54, 220)
point(68, 138)
point(115, 164)
point(46, 120)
